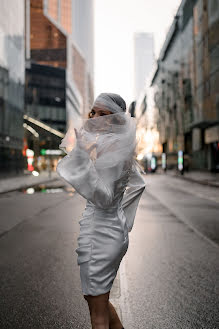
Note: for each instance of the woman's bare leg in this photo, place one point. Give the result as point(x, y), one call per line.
point(114, 320)
point(102, 312)
point(99, 310)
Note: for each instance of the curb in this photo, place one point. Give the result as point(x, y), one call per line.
point(201, 182)
point(198, 181)
point(28, 185)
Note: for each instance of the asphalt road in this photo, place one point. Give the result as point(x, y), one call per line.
point(167, 279)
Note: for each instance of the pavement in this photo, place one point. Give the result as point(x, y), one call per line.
point(196, 176)
point(167, 279)
point(169, 276)
point(9, 184)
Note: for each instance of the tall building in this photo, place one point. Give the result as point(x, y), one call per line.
point(59, 73)
point(46, 75)
point(12, 77)
point(83, 36)
point(143, 60)
point(61, 34)
point(75, 18)
point(186, 85)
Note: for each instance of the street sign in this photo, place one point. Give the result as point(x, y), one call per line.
point(51, 152)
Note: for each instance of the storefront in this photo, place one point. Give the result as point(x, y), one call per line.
point(212, 141)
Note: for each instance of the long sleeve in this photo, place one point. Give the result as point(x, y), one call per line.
point(78, 170)
point(132, 196)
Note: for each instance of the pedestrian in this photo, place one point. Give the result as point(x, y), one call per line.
point(102, 168)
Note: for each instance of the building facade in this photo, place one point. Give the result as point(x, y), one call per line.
point(83, 37)
point(143, 60)
point(186, 85)
point(45, 97)
point(59, 79)
point(75, 19)
point(12, 78)
point(60, 36)
point(46, 75)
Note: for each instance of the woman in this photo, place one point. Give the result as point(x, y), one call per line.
point(101, 168)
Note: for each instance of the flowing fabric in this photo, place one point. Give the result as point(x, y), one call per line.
point(109, 140)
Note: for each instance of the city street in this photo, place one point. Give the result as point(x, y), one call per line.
point(167, 279)
point(99, 82)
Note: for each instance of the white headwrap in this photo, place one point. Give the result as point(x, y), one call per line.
point(111, 102)
point(111, 138)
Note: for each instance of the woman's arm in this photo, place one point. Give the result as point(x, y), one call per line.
point(132, 196)
point(78, 169)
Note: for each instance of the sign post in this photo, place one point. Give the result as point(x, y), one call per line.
point(164, 161)
point(180, 162)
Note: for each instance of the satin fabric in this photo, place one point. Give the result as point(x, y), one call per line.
point(107, 219)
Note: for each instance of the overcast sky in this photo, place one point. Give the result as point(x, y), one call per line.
point(116, 21)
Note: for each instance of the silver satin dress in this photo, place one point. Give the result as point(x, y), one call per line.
point(106, 221)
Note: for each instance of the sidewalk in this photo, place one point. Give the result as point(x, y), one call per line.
point(26, 180)
point(200, 177)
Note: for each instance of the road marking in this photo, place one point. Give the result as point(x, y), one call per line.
point(124, 298)
point(119, 296)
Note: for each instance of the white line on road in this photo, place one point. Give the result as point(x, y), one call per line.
point(124, 298)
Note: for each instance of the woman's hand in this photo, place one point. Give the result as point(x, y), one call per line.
point(81, 143)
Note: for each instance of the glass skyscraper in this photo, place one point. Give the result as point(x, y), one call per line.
point(12, 78)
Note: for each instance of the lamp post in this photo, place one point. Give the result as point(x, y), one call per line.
point(180, 162)
point(164, 162)
point(50, 147)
